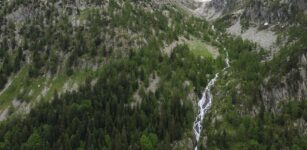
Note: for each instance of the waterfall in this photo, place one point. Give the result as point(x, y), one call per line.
point(205, 103)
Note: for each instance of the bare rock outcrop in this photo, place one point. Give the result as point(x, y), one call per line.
point(291, 86)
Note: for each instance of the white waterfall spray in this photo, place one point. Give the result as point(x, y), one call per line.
point(205, 103)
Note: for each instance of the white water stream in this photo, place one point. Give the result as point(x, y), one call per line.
point(205, 103)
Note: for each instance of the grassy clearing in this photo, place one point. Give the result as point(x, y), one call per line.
point(12, 91)
point(198, 48)
point(58, 82)
point(31, 89)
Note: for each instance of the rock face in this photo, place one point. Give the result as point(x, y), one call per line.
point(256, 11)
point(272, 12)
point(265, 38)
point(253, 20)
point(291, 86)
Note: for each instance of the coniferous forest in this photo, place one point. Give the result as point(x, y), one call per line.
point(128, 74)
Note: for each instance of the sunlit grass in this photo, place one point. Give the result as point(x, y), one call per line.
point(12, 91)
point(198, 48)
point(32, 89)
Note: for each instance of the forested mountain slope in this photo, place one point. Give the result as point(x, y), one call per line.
point(56, 45)
point(101, 74)
point(127, 74)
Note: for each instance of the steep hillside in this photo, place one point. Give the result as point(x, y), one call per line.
point(55, 46)
point(153, 74)
point(259, 11)
point(260, 21)
point(259, 103)
point(102, 74)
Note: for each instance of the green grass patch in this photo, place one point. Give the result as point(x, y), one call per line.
point(58, 82)
point(30, 89)
point(12, 91)
point(198, 48)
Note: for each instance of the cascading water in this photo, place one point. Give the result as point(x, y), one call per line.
point(205, 102)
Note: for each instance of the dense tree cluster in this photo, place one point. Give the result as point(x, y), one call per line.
point(102, 117)
point(264, 131)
